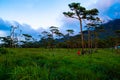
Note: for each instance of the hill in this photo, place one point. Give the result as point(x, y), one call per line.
point(110, 28)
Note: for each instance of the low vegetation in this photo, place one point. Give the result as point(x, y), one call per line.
point(58, 64)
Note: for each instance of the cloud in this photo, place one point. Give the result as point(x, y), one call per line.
point(113, 11)
point(2, 33)
point(5, 27)
point(69, 23)
point(104, 4)
point(109, 9)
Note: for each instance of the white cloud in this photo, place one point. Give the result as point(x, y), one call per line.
point(3, 33)
point(104, 4)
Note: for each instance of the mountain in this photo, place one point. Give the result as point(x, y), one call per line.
point(110, 28)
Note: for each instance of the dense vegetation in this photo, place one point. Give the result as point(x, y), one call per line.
point(58, 64)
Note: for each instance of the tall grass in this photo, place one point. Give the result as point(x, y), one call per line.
point(58, 64)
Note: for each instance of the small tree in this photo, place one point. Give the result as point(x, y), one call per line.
point(43, 40)
point(70, 31)
point(28, 41)
point(6, 41)
point(59, 34)
point(27, 37)
point(47, 39)
point(54, 31)
point(69, 41)
point(13, 36)
point(45, 34)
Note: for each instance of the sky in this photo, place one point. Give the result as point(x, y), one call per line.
point(37, 13)
point(41, 14)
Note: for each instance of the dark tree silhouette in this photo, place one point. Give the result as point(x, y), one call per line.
point(70, 31)
point(59, 34)
point(27, 37)
point(6, 41)
point(69, 41)
point(53, 30)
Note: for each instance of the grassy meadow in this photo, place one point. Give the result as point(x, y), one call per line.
point(58, 64)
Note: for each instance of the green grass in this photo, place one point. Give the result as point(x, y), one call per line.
point(58, 64)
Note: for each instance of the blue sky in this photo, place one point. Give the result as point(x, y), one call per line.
point(37, 13)
point(41, 14)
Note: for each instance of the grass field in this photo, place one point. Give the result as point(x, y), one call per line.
point(58, 64)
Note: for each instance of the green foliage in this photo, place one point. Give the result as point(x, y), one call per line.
point(69, 14)
point(59, 64)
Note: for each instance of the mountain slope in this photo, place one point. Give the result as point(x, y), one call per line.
point(110, 28)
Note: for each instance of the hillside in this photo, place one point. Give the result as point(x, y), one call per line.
point(110, 28)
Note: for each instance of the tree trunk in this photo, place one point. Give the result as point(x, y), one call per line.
point(89, 41)
point(89, 38)
point(82, 37)
point(96, 40)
